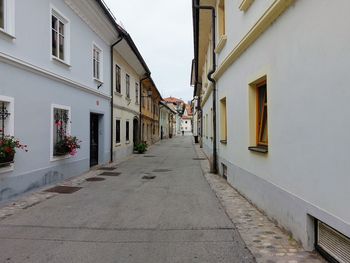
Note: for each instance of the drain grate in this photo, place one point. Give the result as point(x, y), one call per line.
point(62, 189)
point(161, 170)
point(95, 179)
point(198, 159)
point(108, 168)
point(149, 156)
point(148, 177)
point(110, 174)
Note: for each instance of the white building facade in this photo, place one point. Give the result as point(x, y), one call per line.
point(282, 96)
point(54, 66)
point(128, 70)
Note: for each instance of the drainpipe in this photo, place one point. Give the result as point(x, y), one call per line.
point(141, 99)
point(112, 92)
point(210, 78)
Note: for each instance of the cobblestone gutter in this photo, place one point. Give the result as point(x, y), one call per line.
point(267, 242)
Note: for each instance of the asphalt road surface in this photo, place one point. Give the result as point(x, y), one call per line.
point(174, 217)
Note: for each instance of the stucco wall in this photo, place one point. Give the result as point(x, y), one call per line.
point(36, 81)
point(33, 96)
point(34, 46)
point(305, 58)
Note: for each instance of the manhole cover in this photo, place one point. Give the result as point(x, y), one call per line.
point(110, 174)
point(149, 156)
point(198, 159)
point(148, 177)
point(161, 170)
point(108, 168)
point(62, 189)
point(95, 179)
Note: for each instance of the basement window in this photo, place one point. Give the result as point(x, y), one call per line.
point(332, 244)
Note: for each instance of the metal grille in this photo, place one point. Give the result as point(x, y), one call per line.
point(334, 243)
point(4, 114)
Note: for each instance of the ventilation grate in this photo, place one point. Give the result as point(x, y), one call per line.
point(333, 243)
point(110, 174)
point(62, 189)
point(95, 179)
point(199, 159)
point(148, 177)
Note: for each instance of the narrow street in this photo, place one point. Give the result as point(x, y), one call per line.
point(174, 217)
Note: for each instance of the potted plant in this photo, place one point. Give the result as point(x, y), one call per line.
point(141, 147)
point(8, 145)
point(67, 145)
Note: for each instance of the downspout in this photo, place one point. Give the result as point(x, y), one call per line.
point(112, 92)
point(141, 99)
point(210, 78)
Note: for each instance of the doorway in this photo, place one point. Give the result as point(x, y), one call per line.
point(94, 138)
point(135, 134)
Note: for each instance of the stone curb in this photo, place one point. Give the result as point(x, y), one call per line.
point(267, 242)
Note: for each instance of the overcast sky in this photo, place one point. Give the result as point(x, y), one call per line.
point(162, 31)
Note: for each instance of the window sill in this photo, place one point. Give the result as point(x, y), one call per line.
point(259, 149)
point(245, 5)
point(128, 99)
point(2, 31)
point(8, 168)
point(98, 80)
point(221, 44)
point(65, 63)
point(118, 144)
point(59, 158)
point(127, 142)
point(118, 94)
point(223, 141)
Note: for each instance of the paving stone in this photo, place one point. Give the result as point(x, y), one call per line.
point(266, 241)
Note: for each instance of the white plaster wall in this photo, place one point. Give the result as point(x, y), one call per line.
point(207, 140)
point(305, 55)
point(33, 42)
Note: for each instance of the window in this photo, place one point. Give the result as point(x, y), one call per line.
point(58, 37)
point(127, 85)
point(258, 116)
point(221, 18)
point(6, 116)
point(7, 17)
point(262, 129)
point(61, 127)
point(136, 92)
point(117, 131)
point(97, 63)
point(117, 79)
point(2, 14)
point(223, 121)
point(127, 129)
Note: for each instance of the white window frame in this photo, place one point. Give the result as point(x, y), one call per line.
point(10, 126)
point(9, 18)
point(137, 93)
point(69, 129)
point(100, 61)
point(127, 85)
point(66, 45)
